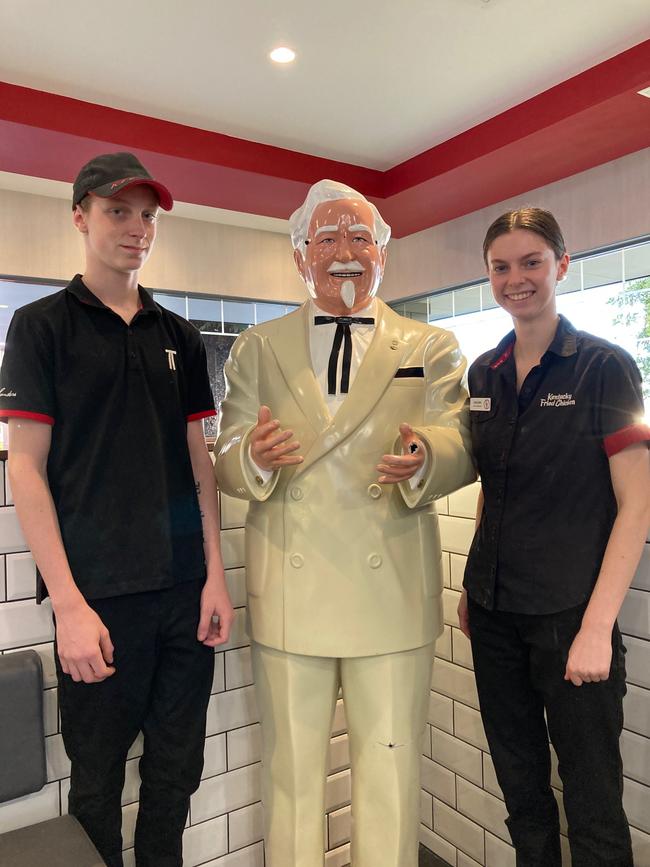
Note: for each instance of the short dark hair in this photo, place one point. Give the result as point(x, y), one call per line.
point(84, 204)
point(536, 220)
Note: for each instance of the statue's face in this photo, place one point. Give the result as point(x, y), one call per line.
point(343, 265)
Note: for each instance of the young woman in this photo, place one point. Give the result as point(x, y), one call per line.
point(562, 451)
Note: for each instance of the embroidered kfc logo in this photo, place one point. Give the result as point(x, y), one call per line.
point(557, 400)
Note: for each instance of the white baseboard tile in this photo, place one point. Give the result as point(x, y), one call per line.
point(245, 826)
point(244, 746)
point(439, 782)
point(208, 840)
point(441, 712)
point(457, 756)
point(438, 845)
point(497, 852)
point(218, 795)
point(458, 830)
point(483, 808)
point(232, 709)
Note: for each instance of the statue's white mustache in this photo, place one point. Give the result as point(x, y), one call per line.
point(343, 269)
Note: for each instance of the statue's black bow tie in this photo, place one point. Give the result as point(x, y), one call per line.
point(342, 332)
point(344, 320)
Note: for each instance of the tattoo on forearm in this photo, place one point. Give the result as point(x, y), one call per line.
point(197, 485)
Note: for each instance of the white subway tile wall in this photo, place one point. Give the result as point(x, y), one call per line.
point(462, 809)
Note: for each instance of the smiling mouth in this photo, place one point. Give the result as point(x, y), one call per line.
point(343, 274)
point(520, 296)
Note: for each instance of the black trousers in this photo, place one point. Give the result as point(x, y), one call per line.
point(161, 686)
point(519, 661)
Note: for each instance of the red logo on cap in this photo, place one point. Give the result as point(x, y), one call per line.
point(120, 182)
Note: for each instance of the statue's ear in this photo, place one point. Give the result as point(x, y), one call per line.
point(300, 262)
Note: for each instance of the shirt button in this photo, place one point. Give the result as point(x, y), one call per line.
point(374, 491)
point(132, 354)
point(296, 560)
point(296, 493)
point(374, 561)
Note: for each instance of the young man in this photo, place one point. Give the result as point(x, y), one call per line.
point(105, 392)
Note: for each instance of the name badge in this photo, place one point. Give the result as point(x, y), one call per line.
point(480, 404)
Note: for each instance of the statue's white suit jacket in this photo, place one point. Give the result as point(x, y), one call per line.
point(337, 565)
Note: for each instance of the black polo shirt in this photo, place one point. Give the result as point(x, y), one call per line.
point(543, 460)
point(119, 398)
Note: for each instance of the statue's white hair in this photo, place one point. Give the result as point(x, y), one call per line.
point(330, 191)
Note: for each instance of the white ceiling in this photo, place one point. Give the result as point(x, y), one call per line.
point(374, 82)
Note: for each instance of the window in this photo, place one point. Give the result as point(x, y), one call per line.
point(219, 321)
point(606, 293)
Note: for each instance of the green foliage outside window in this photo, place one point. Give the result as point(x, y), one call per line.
point(634, 305)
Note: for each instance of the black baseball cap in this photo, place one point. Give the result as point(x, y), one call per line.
point(110, 174)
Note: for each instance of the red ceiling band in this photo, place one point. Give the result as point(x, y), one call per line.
point(592, 118)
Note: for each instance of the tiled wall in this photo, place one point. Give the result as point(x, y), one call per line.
point(225, 822)
point(462, 805)
point(462, 810)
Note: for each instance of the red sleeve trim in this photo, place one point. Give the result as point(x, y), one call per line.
point(208, 413)
point(21, 413)
point(627, 436)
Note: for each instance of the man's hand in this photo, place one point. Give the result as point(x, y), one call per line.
point(84, 644)
point(590, 656)
point(271, 448)
point(217, 613)
point(400, 468)
point(463, 614)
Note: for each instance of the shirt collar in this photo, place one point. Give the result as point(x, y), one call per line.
point(564, 343)
point(78, 288)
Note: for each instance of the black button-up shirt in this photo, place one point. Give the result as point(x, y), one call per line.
point(118, 398)
point(542, 456)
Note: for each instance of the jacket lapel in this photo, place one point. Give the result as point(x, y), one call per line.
point(382, 359)
point(290, 345)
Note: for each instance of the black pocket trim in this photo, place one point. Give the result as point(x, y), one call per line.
point(409, 371)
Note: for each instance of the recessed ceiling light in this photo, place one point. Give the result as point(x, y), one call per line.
point(644, 92)
point(282, 55)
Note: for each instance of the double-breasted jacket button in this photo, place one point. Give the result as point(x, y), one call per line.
point(374, 561)
point(375, 491)
point(296, 560)
point(296, 493)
